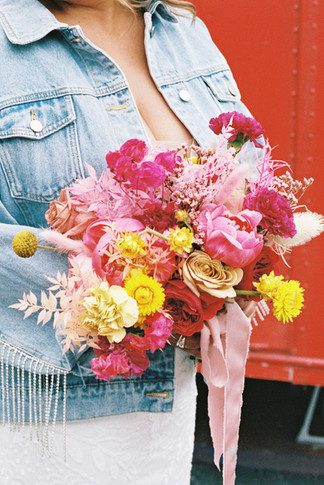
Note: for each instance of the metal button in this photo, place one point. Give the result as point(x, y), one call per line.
point(184, 95)
point(36, 126)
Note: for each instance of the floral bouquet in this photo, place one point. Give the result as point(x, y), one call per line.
point(162, 241)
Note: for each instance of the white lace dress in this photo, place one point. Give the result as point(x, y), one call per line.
point(133, 449)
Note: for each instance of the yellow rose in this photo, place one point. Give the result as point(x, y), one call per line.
point(201, 273)
point(109, 310)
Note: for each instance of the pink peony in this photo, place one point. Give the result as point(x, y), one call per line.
point(98, 237)
point(277, 215)
point(237, 124)
point(230, 239)
point(69, 216)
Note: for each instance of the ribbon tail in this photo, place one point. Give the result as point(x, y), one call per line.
point(214, 370)
point(237, 346)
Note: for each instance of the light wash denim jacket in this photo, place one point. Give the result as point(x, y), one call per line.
point(85, 107)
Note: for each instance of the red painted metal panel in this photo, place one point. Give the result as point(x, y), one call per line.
point(276, 52)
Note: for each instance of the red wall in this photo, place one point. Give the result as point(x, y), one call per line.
point(275, 49)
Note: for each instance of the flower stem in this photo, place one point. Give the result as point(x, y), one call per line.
point(247, 292)
point(147, 230)
point(48, 247)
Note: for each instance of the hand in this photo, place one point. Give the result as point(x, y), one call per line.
point(248, 306)
point(191, 344)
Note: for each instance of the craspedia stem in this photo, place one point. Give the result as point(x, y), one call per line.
point(25, 244)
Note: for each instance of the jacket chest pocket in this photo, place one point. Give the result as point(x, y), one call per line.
point(223, 90)
point(39, 149)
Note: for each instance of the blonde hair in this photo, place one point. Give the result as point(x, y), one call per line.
point(140, 4)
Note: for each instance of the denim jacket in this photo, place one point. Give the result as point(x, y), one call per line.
point(82, 101)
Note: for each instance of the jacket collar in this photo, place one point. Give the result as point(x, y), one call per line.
point(26, 21)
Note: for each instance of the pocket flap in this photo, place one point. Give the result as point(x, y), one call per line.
point(36, 119)
point(223, 86)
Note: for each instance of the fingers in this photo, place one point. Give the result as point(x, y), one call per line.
point(191, 344)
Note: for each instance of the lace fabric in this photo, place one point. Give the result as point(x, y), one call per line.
point(136, 448)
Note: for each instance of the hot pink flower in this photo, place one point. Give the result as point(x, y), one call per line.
point(126, 358)
point(134, 148)
point(157, 331)
point(167, 160)
point(237, 123)
point(130, 164)
point(277, 215)
point(230, 239)
point(147, 175)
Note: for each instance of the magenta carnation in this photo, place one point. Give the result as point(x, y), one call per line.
point(277, 215)
point(157, 331)
point(124, 359)
point(237, 123)
point(131, 164)
point(167, 160)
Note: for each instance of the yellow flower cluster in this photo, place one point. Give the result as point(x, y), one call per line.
point(287, 296)
point(131, 245)
point(181, 239)
point(147, 291)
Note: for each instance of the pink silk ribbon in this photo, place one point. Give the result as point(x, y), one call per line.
point(224, 348)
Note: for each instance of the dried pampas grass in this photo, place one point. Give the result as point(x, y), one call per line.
point(308, 225)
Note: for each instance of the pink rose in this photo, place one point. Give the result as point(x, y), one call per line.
point(231, 239)
point(69, 216)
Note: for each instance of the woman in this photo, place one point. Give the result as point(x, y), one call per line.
point(80, 78)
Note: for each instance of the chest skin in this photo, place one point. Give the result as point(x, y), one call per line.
point(125, 46)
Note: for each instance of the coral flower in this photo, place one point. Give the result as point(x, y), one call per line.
point(147, 291)
point(181, 240)
point(288, 301)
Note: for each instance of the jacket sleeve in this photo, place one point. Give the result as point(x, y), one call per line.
point(18, 275)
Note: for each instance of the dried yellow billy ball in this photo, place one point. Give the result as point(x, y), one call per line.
point(25, 244)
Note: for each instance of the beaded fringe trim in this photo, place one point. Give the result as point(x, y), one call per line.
point(262, 310)
point(26, 374)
